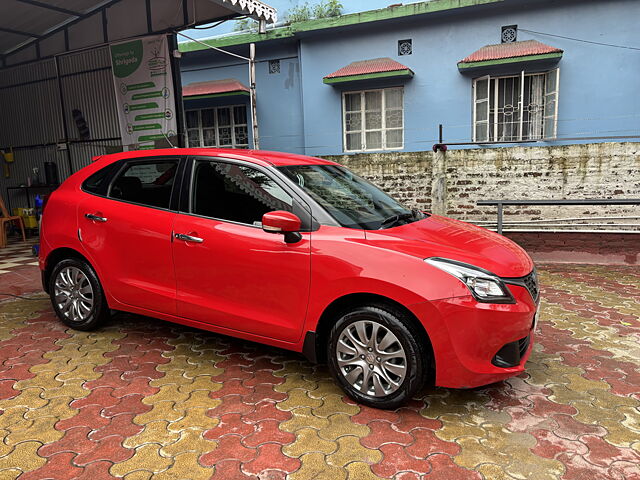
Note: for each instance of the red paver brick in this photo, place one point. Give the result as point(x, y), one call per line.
point(602, 453)
point(266, 411)
point(382, 432)
point(230, 423)
point(6, 389)
point(571, 429)
point(75, 440)
point(57, 467)
point(269, 457)
point(87, 417)
point(445, 469)
point(550, 445)
point(367, 415)
point(396, 459)
point(267, 431)
point(230, 470)
point(232, 386)
point(96, 471)
point(410, 418)
point(426, 443)
point(121, 424)
point(230, 404)
point(99, 396)
point(109, 448)
point(262, 376)
point(129, 404)
point(264, 392)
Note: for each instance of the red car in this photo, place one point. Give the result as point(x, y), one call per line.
point(295, 252)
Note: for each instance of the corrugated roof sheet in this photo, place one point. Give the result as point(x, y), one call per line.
point(510, 50)
point(212, 87)
point(364, 67)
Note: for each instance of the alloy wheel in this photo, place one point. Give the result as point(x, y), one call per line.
point(371, 358)
point(73, 294)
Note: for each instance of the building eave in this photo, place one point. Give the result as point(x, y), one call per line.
point(237, 93)
point(407, 73)
point(466, 66)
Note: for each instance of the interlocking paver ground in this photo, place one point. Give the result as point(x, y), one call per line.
point(140, 398)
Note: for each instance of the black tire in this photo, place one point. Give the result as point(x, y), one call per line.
point(417, 357)
point(89, 318)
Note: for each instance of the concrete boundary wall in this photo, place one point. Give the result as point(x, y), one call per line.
point(451, 183)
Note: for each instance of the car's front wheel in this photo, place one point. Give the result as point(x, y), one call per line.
point(76, 295)
point(377, 357)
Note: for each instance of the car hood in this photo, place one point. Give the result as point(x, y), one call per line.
point(437, 236)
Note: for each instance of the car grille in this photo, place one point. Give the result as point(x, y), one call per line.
point(530, 282)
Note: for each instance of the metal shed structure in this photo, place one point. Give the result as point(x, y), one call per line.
point(55, 61)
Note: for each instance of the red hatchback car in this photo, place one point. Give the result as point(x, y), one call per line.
point(295, 252)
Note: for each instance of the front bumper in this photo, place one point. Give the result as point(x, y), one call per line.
point(477, 343)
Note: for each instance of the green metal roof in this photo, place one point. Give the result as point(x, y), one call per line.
point(389, 13)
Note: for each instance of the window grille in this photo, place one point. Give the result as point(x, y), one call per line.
point(516, 107)
point(224, 127)
point(373, 120)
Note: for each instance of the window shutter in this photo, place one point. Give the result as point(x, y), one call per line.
point(481, 109)
point(551, 91)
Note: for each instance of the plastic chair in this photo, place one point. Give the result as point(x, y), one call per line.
point(5, 219)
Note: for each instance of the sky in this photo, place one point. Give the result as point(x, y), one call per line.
point(349, 6)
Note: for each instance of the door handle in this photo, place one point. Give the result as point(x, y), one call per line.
point(188, 238)
point(95, 218)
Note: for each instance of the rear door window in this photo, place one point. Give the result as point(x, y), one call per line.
point(99, 181)
point(148, 182)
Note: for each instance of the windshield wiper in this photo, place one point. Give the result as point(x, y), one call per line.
point(394, 219)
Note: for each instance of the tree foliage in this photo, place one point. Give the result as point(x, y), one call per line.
point(306, 11)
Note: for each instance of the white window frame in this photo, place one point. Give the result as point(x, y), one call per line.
point(547, 116)
point(363, 127)
point(216, 127)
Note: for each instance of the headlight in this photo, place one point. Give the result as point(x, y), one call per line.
point(483, 285)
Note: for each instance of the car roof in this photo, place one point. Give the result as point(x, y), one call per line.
point(259, 157)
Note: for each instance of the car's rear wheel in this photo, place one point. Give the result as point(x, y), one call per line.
point(377, 357)
point(76, 295)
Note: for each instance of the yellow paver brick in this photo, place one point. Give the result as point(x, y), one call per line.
point(189, 441)
point(350, 450)
point(340, 425)
point(185, 466)
point(314, 466)
point(154, 432)
point(308, 440)
point(334, 403)
point(360, 471)
point(147, 457)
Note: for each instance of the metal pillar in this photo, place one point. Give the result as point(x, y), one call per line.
point(63, 114)
point(252, 87)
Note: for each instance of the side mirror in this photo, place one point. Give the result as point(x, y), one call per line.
point(284, 222)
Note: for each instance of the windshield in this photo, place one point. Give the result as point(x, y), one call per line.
point(351, 200)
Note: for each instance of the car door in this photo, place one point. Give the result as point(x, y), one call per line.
point(126, 233)
point(229, 272)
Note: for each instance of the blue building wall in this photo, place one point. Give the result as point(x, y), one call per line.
point(598, 84)
point(279, 96)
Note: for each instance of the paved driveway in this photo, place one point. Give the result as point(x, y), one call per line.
point(141, 398)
